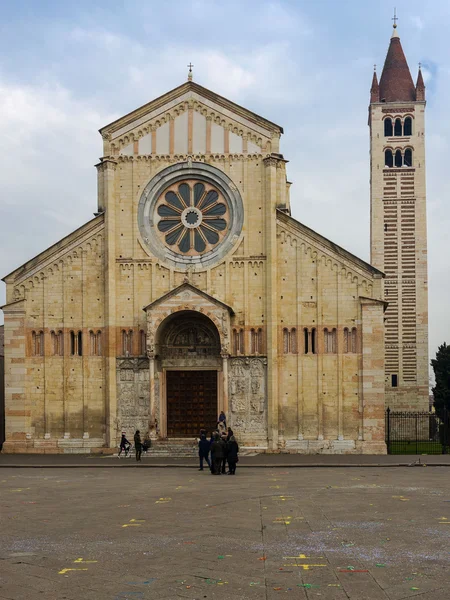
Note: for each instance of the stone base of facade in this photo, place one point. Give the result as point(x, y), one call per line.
point(333, 447)
point(57, 446)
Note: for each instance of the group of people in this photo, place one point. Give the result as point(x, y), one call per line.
point(221, 446)
point(139, 445)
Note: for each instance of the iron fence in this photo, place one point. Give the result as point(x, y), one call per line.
point(417, 432)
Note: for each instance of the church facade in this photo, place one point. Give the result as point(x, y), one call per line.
point(193, 290)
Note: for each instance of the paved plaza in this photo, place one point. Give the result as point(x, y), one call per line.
point(267, 533)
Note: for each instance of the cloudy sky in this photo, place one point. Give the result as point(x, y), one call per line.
point(68, 68)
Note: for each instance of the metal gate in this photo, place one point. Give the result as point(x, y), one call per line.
point(417, 432)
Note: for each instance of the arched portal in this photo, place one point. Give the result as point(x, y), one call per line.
point(189, 364)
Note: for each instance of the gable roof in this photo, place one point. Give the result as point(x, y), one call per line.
point(332, 247)
point(188, 286)
point(189, 86)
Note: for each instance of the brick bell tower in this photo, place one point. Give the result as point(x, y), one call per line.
point(398, 227)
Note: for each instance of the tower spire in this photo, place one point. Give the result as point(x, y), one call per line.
point(420, 85)
point(396, 84)
point(375, 89)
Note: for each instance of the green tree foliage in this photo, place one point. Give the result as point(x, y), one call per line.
point(441, 368)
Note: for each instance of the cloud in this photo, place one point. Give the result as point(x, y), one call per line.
point(417, 22)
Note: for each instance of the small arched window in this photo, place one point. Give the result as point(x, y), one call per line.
point(408, 157)
point(293, 341)
point(259, 346)
point(398, 158)
point(398, 127)
point(285, 341)
point(346, 340)
point(306, 340)
point(238, 341)
point(92, 343)
point(241, 342)
point(388, 158)
point(80, 343)
point(407, 127)
point(388, 127)
point(72, 343)
point(354, 347)
point(127, 342)
point(60, 343)
point(142, 343)
point(99, 343)
point(252, 341)
point(54, 341)
point(330, 341)
point(313, 340)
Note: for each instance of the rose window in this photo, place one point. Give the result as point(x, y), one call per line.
point(192, 217)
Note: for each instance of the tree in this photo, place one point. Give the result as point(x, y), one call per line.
point(441, 368)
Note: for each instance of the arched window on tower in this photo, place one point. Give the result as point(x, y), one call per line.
point(398, 158)
point(72, 343)
point(313, 341)
point(92, 343)
point(388, 158)
point(330, 341)
point(408, 157)
point(388, 129)
point(407, 127)
point(398, 127)
point(238, 341)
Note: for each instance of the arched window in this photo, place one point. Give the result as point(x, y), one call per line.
point(259, 346)
point(252, 341)
point(37, 343)
point(54, 341)
point(407, 127)
point(142, 343)
point(293, 341)
point(92, 343)
point(238, 341)
point(241, 342)
point(60, 343)
point(388, 127)
point(235, 341)
point(99, 343)
point(127, 342)
point(80, 343)
point(330, 341)
point(388, 158)
point(398, 158)
point(408, 157)
point(398, 127)
point(72, 343)
point(346, 340)
point(306, 340)
point(313, 340)
point(285, 341)
point(353, 347)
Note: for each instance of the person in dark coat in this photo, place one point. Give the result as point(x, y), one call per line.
point(203, 451)
point(217, 454)
point(124, 444)
point(138, 445)
point(229, 433)
point(232, 455)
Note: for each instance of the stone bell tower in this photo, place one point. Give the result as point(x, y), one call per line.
point(398, 225)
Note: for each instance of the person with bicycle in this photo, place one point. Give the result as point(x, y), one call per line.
point(124, 444)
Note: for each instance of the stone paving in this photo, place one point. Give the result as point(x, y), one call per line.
point(330, 534)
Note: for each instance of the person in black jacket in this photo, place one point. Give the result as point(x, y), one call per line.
point(217, 454)
point(225, 452)
point(203, 451)
point(124, 444)
point(138, 445)
point(232, 455)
